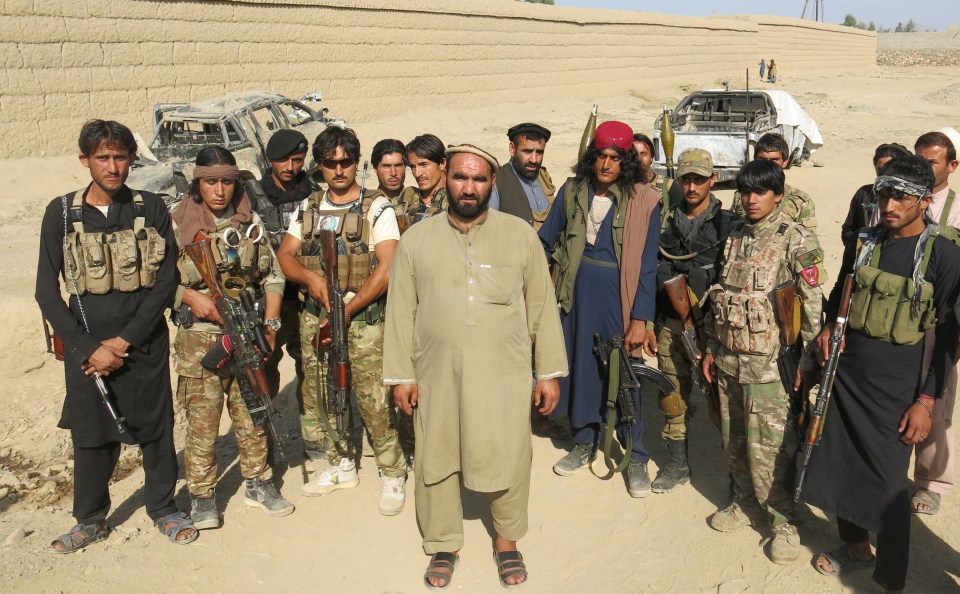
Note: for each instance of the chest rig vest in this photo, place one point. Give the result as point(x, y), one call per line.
point(893, 308)
point(276, 217)
point(98, 263)
point(355, 259)
point(242, 257)
point(696, 256)
point(410, 209)
point(741, 302)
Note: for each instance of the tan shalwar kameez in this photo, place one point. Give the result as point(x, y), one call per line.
point(463, 313)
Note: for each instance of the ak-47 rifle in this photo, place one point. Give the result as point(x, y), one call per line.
point(331, 342)
point(826, 384)
point(693, 339)
point(243, 347)
point(623, 392)
point(786, 306)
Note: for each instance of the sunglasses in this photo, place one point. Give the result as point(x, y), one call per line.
point(334, 163)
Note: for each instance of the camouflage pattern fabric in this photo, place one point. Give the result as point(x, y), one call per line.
point(200, 394)
point(289, 336)
point(672, 360)
point(757, 432)
point(365, 345)
point(797, 205)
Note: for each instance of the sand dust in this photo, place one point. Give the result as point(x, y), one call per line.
point(586, 534)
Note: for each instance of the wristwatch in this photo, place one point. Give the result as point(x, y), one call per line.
point(274, 323)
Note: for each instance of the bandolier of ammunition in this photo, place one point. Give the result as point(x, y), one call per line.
point(123, 261)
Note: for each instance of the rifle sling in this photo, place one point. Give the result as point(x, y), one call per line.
point(610, 427)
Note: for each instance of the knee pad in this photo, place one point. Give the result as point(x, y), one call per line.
point(672, 405)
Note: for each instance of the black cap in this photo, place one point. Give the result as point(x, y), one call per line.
point(284, 143)
point(528, 128)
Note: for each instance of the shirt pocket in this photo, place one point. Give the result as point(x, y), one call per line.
point(499, 285)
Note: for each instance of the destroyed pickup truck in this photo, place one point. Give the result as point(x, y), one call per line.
point(728, 124)
point(240, 122)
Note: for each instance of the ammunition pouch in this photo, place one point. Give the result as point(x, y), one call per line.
point(881, 307)
point(745, 322)
point(371, 315)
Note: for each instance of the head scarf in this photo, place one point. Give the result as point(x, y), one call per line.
point(193, 216)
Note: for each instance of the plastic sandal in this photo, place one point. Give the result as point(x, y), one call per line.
point(180, 522)
point(445, 561)
point(71, 542)
point(510, 564)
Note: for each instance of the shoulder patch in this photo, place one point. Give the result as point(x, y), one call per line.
point(808, 259)
point(811, 275)
point(782, 229)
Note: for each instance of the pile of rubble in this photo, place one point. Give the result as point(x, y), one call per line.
point(918, 57)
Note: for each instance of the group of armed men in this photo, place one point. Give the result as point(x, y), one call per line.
point(616, 236)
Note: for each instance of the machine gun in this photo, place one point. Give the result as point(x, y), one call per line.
point(243, 347)
point(693, 339)
point(826, 385)
point(623, 393)
point(786, 306)
point(331, 342)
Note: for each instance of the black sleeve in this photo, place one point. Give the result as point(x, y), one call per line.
point(77, 342)
point(846, 267)
point(944, 273)
point(854, 220)
point(160, 296)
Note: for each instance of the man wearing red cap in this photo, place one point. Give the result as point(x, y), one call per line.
point(603, 232)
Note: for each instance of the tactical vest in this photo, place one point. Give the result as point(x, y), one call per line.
point(98, 263)
point(745, 320)
point(355, 259)
point(410, 209)
point(276, 218)
point(889, 306)
point(697, 258)
point(240, 255)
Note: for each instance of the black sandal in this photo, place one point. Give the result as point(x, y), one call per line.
point(444, 561)
point(72, 543)
point(510, 564)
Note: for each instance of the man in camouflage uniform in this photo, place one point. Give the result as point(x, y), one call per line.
point(757, 425)
point(796, 204)
point(692, 236)
point(368, 234)
point(427, 159)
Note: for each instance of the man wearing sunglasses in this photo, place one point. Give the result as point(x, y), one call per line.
point(367, 236)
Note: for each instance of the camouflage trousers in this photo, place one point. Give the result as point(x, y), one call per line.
point(757, 431)
point(200, 394)
point(289, 336)
point(365, 344)
point(673, 362)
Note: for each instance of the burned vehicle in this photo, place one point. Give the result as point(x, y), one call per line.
point(240, 122)
point(728, 124)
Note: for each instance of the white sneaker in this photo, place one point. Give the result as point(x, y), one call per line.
point(341, 476)
point(392, 495)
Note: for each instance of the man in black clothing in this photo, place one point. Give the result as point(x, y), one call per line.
point(113, 329)
point(863, 210)
point(879, 409)
point(277, 198)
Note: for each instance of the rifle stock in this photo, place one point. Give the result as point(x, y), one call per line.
point(693, 342)
point(819, 413)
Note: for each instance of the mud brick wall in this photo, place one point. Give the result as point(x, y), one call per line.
point(65, 61)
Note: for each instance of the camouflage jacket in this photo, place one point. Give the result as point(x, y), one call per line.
point(796, 204)
point(744, 337)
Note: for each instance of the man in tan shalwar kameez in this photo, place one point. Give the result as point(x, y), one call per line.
point(462, 363)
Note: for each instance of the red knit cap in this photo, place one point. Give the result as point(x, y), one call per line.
point(613, 133)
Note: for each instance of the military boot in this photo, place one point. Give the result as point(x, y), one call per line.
point(676, 472)
point(638, 481)
point(203, 512)
point(785, 544)
point(730, 519)
point(264, 494)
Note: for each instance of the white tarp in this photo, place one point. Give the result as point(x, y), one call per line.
point(789, 113)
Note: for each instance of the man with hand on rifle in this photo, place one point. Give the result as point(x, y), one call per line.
point(114, 333)
point(692, 235)
point(366, 237)
point(757, 426)
point(906, 280)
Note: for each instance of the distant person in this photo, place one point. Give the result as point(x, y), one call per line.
point(763, 68)
point(524, 188)
point(772, 76)
point(863, 210)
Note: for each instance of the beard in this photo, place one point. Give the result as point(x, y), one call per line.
point(472, 210)
point(523, 172)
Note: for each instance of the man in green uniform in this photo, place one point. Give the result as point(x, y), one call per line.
point(368, 234)
point(428, 164)
point(692, 236)
point(796, 204)
point(757, 423)
point(482, 280)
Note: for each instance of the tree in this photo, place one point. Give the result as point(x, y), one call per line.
point(849, 20)
point(911, 27)
point(899, 28)
point(872, 27)
point(539, 1)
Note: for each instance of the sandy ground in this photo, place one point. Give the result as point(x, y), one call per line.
point(586, 534)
